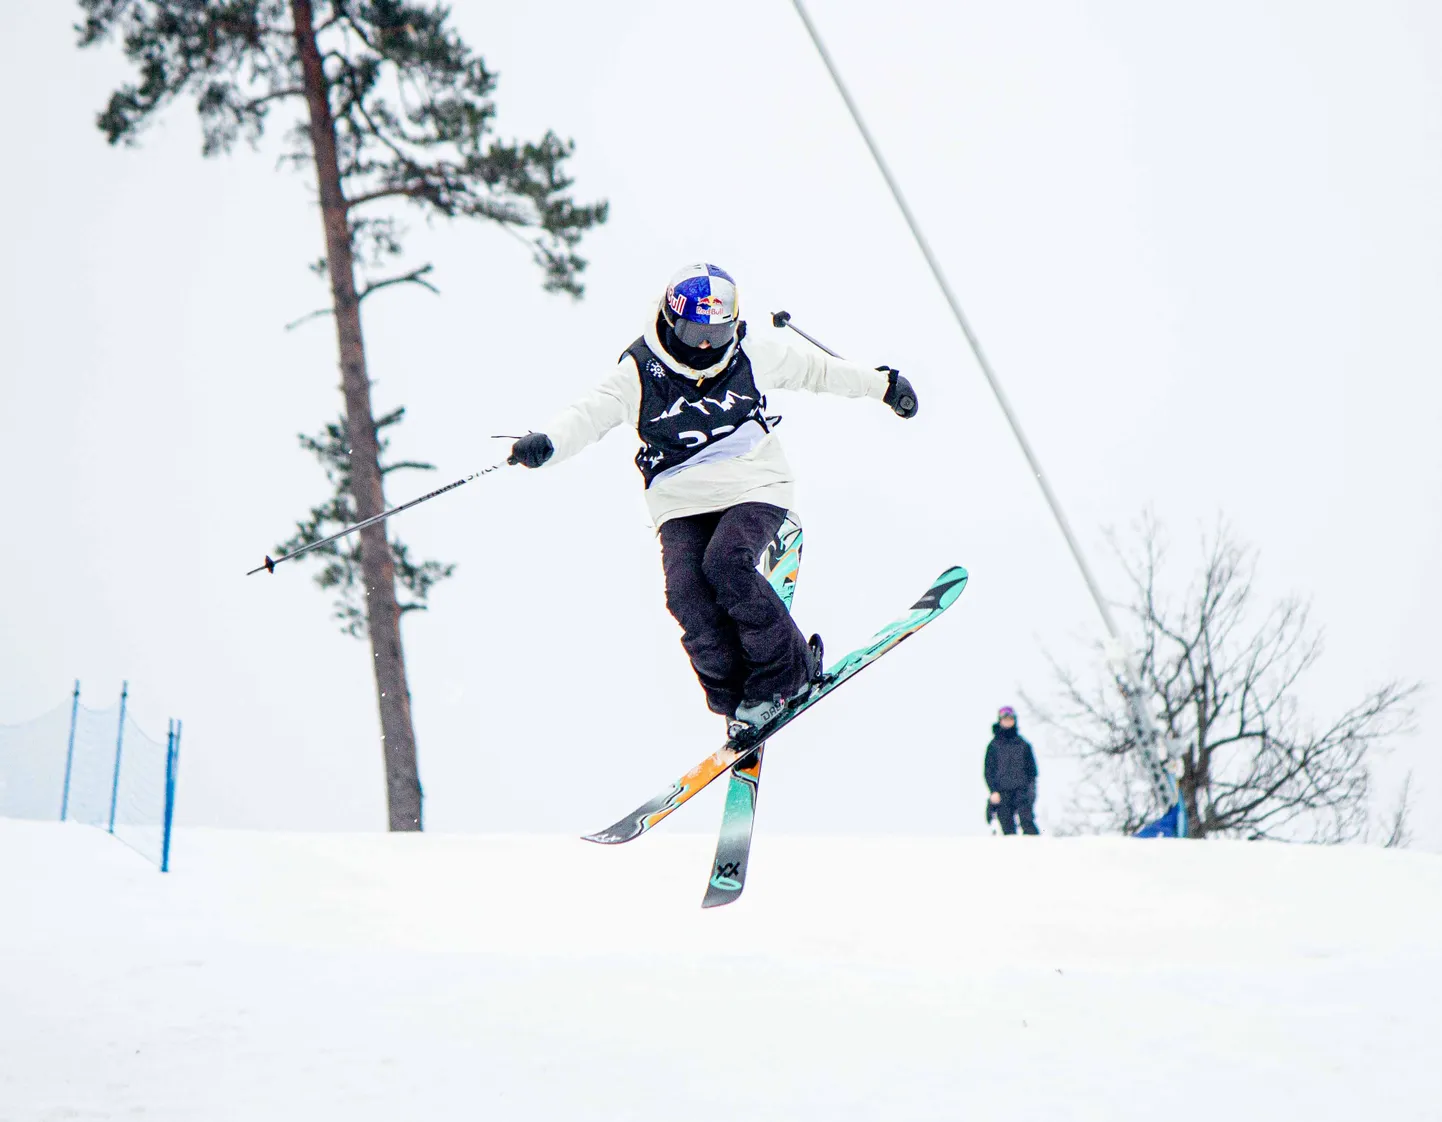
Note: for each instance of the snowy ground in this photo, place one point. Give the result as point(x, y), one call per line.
point(353, 977)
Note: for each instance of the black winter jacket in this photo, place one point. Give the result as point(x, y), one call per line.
point(1010, 764)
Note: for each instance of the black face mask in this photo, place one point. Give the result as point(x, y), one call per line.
point(697, 358)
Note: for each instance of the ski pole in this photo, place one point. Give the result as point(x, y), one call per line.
point(270, 563)
point(783, 319)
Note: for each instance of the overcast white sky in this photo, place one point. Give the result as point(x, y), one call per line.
point(1202, 247)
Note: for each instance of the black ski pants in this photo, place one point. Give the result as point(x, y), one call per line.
point(738, 634)
point(1014, 805)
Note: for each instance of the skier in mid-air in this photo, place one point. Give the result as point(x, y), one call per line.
point(717, 482)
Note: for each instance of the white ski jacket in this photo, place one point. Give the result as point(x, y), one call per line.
point(758, 472)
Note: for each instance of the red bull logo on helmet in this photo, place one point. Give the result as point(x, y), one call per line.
point(703, 294)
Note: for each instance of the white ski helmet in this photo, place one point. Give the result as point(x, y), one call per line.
point(701, 306)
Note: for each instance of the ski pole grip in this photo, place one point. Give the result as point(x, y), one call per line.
point(783, 319)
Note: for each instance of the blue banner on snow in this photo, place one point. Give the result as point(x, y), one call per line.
point(1168, 825)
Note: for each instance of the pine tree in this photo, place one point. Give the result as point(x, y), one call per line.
point(397, 109)
point(344, 569)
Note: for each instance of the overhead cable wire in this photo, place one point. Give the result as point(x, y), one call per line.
point(1130, 685)
point(964, 324)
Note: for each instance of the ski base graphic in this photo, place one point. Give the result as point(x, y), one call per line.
point(733, 844)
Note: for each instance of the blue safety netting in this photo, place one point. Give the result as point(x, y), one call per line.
point(92, 766)
point(32, 766)
point(92, 769)
point(140, 797)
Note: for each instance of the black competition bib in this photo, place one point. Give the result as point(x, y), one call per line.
point(683, 423)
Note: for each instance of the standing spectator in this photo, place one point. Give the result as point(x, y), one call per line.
point(1011, 774)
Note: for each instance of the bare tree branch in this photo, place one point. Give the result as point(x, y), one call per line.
point(293, 324)
point(1399, 831)
point(414, 191)
point(1222, 676)
point(415, 276)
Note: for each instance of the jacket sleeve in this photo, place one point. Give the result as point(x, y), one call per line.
point(616, 401)
point(988, 769)
point(776, 366)
point(1030, 760)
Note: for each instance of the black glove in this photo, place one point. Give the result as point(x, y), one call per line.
point(533, 450)
point(899, 394)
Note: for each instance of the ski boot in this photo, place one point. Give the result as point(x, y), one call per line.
point(754, 715)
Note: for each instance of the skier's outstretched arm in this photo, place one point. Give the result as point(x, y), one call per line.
point(778, 366)
point(616, 401)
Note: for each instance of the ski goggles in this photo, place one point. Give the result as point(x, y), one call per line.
point(717, 335)
point(1004, 712)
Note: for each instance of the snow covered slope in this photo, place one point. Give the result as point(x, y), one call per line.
point(350, 977)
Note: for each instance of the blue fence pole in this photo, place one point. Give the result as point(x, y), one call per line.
point(70, 751)
point(172, 760)
point(119, 743)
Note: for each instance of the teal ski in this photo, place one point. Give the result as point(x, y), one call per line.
point(780, 564)
point(733, 844)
